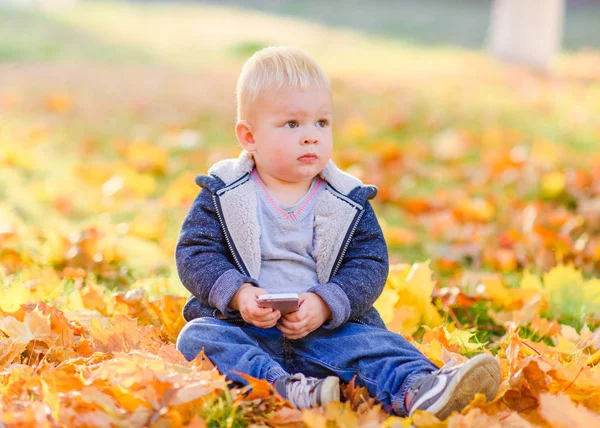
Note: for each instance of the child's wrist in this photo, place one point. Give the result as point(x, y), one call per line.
point(233, 303)
point(326, 309)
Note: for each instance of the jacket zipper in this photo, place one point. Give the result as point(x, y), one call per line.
point(239, 264)
point(346, 244)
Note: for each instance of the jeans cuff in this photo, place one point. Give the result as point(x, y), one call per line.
point(275, 374)
point(399, 400)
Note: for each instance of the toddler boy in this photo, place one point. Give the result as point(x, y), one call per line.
point(283, 218)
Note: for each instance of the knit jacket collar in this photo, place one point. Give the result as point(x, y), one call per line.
point(337, 212)
point(229, 171)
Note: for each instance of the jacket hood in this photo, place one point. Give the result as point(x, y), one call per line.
point(228, 171)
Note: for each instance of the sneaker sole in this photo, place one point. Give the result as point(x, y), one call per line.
point(481, 374)
point(329, 391)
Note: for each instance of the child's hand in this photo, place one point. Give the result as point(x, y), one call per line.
point(312, 314)
point(245, 300)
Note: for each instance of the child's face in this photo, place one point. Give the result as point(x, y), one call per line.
point(292, 134)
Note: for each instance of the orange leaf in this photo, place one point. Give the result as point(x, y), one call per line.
point(10, 351)
point(560, 411)
point(358, 397)
point(286, 416)
point(260, 387)
point(201, 362)
point(58, 102)
point(35, 326)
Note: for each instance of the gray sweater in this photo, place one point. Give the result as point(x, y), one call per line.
point(286, 240)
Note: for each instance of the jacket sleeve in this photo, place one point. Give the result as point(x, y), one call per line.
point(362, 275)
point(204, 262)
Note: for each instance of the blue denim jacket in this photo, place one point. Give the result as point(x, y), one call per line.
point(219, 244)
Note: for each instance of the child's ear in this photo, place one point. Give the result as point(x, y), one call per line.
point(243, 132)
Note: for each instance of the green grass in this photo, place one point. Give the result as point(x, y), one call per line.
point(432, 22)
point(27, 35)
point(223, 413)
point(208, 34)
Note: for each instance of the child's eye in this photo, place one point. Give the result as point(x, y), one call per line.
point(322, 123)
point(292, 124)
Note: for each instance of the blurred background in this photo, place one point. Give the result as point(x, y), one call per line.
point(478, 121)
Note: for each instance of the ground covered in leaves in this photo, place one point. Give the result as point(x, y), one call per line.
point(489, 197)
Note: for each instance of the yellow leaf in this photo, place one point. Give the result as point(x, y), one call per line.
point(432, 350)
point(561, 277)
point(147, 157)
point(182, 191)
point(354, 129)
point(151, 226)
point(546, 153)
point(141, 184)
point(313, 419)
point(385, 304)
point(342, 414)
point(425, 419)
point(74, 302)
point(553, 184)
point(17, 157)
point(496, 291)
point(397, 422)
point(462, 338)
point(569, 294)
point(530, 281)
point(564, 345)
point(12, 298)
point(594, 359)
point(591, 290)
point(431, 316)
point(407, 320)
point(412, 286)
point(419, 280)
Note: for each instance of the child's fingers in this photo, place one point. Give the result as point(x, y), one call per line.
point(267, 321)
point(291, 326)
point(296, 316)
point(295, 334)
point(290, 332)
point(267, 317)
point(258, 312)
point(264, 324)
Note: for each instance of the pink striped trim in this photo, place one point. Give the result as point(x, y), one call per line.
point(283, 213)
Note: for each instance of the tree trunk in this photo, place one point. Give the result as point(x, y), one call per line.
point(527, 32)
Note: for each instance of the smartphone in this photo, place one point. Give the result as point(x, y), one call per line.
point(284, 302)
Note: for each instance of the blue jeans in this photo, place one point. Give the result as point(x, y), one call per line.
point(382, 361)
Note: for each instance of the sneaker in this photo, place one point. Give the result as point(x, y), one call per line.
point(453, 387)
point(306, 392)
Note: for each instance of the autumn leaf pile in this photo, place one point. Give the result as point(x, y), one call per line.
point(493, 229)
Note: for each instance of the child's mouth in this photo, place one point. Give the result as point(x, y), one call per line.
point(308, 158)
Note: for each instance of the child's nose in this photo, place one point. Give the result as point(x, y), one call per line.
point(310, 140)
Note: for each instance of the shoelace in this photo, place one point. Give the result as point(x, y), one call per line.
point(447, 368)
point(299, 388)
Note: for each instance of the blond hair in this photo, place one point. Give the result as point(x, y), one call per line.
point(278, 66)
